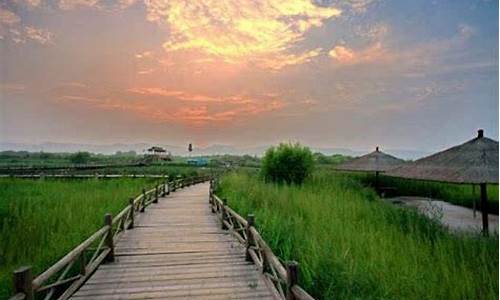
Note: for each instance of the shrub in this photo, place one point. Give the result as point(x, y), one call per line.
point(287, 163)
point(80, 158)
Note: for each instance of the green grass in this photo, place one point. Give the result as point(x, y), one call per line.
point(41, 220)
point(352, 246)
point(459, 194)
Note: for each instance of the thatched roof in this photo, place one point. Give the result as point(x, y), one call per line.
point(156, 149)
point(475, 161)
point(376, 161)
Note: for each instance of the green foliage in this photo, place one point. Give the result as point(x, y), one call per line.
point(41, 220)
point(126, 154)
point(234, 161)
point(351, 246)
point(333, 159)
point(80, 158)
point(287, 163)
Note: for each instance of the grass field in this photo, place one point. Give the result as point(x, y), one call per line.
point(459, 194)
point(41, 220)
point(351, 246)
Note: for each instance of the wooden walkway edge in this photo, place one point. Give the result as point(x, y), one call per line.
point(177, 249)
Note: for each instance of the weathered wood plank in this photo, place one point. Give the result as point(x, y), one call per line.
point(207, 286)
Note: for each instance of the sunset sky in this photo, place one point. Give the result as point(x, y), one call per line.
point(401, 74)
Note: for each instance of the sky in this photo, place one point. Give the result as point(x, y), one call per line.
point(400, 74)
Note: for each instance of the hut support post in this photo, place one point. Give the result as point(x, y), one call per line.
point(376, 182)
point(484, 207)
point(23, 282)
point(474, 202)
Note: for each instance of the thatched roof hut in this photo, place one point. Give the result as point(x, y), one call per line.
point(376, 161)
point(473, 162)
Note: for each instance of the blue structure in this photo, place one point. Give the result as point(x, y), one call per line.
point(198, 161)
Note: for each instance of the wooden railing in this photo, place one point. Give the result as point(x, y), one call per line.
point(63, 278)
point(82, 176)
point(282, 277)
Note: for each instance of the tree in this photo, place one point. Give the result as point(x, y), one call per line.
point(287, 163)
point(80, 158)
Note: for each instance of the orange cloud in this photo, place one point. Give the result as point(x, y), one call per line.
point(190, 97)
point(348, 56)
point(173, 106)
point(240, 32)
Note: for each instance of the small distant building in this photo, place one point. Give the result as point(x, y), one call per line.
point(158, 153)
point(198, 161)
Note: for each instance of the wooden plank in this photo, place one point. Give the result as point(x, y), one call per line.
point(206, 286)
point(248, 275)
point(176, 269)
point(197, 294)
point(174, 257)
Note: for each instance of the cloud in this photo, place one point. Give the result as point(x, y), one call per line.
point(12, 88)
point(466, 31)
point(194, 97)
point(145, 72)
point(356, 7)
point(374, 32)
point(281, 61)
point(127, 3)
point(145, 54)
point(170, 106)
point(39, 35)
point(240, 32)
point(29, 3)
point(372, 54)
point(30, 33)
point(13, 29)
point(8, 18)
point(72, 4)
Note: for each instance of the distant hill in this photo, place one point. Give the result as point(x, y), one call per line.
point(216, 149)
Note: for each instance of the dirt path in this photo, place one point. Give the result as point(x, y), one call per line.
point(453, 216)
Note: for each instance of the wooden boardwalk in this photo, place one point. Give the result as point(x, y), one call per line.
point(177, 250)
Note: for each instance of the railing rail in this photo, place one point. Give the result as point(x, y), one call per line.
point(63, 278)
point(281, 277)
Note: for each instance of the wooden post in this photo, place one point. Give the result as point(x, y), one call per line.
point(474, 201)
point(250, 240)
point(212, 203)
point(484, 207)
point(132, 213)
point(83, 262)
point(23, 282)
point(292, 276)
point(224, 203)
point(143, 200)
point(376, 183)
point(108, 221)
point(167, 185)
point(155, 200)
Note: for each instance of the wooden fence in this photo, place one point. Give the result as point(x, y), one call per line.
point(283, 277)
point(63, 278)
point(13, 169)
point(82, 176)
